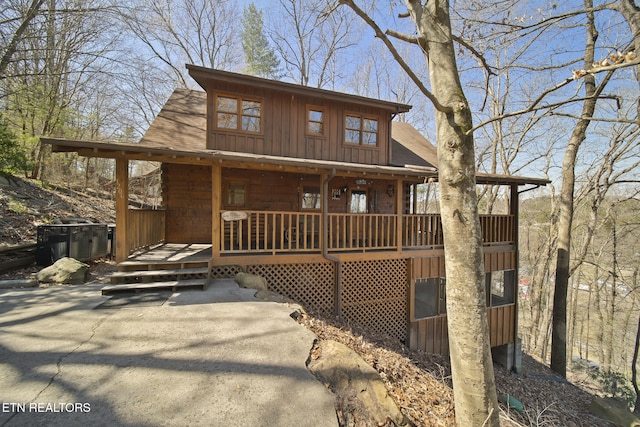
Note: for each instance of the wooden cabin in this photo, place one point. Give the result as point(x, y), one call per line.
point(316, 191)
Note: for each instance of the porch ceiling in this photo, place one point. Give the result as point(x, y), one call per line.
point(264, 162)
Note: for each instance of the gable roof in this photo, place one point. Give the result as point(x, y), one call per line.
point(204, 75)
point(409, 147)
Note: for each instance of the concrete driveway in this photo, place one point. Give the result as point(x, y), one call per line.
point(214, 358)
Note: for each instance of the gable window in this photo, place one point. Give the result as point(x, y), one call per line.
point(361, 130)
point(238, 114)
point(429, 297)
point(311, 198)
point(315, 121)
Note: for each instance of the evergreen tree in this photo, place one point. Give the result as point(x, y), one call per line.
point(260, 58)
point(12, 156)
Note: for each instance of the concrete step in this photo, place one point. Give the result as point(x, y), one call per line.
point(172, 285)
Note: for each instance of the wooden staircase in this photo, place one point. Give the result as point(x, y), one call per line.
point(138, 276)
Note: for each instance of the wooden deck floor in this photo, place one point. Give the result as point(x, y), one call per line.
point(173, 253)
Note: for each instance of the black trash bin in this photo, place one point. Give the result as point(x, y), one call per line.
point(83, 242)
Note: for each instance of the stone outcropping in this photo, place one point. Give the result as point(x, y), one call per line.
point(251, 281)
point(355, 383)
point(64, 270)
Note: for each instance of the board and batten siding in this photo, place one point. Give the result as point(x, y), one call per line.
point(186, 192)
point(284, 128)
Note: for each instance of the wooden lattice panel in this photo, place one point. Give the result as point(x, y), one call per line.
point(374, 295)
point(225, 271)
point(311, 285)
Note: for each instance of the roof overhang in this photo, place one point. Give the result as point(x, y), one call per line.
point(134, 151)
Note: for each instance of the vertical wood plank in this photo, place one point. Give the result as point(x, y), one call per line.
point(216, 203)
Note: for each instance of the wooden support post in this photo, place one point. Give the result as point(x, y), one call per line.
point(399, 214)
point(216, 203)
point(122, 209)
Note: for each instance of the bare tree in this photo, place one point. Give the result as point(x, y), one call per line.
point(472, 370)
point(199, 32)
point(15, 19)
point(309, 40)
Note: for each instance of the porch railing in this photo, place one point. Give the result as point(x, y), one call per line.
point(279, 231)
point(145, 227)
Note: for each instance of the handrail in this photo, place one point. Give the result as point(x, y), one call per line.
point(275, 232)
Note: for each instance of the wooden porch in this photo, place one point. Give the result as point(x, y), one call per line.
point(283, 232)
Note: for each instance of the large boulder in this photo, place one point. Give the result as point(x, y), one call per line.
point(355, 383)
point(251, 281)
point(64, 270)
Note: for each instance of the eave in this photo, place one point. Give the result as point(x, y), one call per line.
point(205, 75)
point(113, 150)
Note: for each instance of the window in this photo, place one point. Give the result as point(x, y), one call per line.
point(239, 114)
point(311, 198)
point(236, 194)
point(500, 287)
point(361, 130)
point(429, 297)
point(315, 121)
point(358, 202)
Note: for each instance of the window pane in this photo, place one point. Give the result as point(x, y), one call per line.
point(425, 301)
point(236, 194)
point(352, 136)
point(370, 125)
point(369, 138)
point(251, 124)
point(251, 108)
point(353, 122)
point(316, 128)
point(501, 287)
point(315, 115)
point(311, 198)
point(227, 121)
point(358, 202)
point(228, 105)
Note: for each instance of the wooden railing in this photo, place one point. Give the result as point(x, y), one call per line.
point(145, 227)
point(278, 231)
point(420, 231)
point(260, 231)
point(350, 232)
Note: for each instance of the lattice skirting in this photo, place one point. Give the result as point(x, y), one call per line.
point(374, 295)
point(311, 285)
point(225, 271)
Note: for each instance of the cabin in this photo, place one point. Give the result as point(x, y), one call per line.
point(315, 190)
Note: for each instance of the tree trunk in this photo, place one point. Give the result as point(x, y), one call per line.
point(634, 370)
point(471, 364)
point(559, 332)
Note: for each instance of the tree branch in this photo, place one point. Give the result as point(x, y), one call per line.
point(396, 55)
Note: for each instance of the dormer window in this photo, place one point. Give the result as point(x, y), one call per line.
point(237, 113)
point(361, 130)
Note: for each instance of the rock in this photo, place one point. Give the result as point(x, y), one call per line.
point(614, 410)
point(355, 383)
point(252, 281)
point(64, 270)
point(267, 295)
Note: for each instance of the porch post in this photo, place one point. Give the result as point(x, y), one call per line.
point(216, 200)
point(399, 214)
point(122, 208)
point(514, 209)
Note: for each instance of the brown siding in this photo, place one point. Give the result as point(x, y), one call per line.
point(187, 198)
point(431, 334)
point(284, 128)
